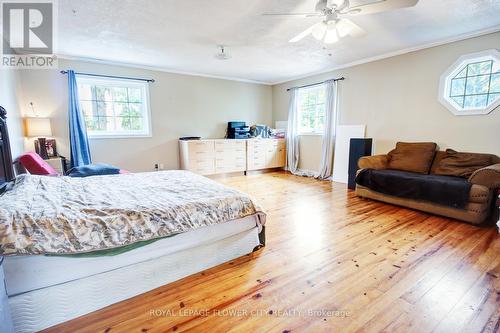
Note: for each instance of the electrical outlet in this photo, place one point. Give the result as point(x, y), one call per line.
point(158, 166)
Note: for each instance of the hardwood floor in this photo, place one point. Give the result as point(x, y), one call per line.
point(333, 263)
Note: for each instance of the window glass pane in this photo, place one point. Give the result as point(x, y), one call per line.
point(459, 100)
point(457, 87)
point(135, 110)
point(495, 83)
point(493, 98)
point(114, 107)
point(103, 93)
point(91, 123)
point(480, 68)
point(119, 94)
point(121, 109)
point(104, 109)
point(136, 123)
point(463, 73)
point(477, 85)
point(477, 101)
point(105, 124)
point(134, 95)
point(311, 108)
point(122, 123)
point(87, 108)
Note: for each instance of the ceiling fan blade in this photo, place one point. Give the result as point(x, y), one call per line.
point(303, 34)
point(347, 27)
point(379, 6)
point(293, 14)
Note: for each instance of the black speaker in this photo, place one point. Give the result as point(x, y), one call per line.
point(357, 149)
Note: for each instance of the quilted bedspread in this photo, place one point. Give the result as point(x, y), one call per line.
point(63, 215)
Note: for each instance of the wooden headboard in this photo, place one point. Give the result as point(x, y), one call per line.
point(6, 167)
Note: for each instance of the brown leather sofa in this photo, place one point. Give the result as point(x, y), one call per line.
point(485, 182)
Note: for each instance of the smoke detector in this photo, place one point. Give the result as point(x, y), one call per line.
point(222, 55)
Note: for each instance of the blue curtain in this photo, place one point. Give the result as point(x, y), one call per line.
point(79, 142)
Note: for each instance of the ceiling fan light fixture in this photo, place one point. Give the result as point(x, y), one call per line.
point(331, 36)
point(319, 31)
point(343, 29)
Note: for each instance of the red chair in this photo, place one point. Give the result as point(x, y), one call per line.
point(35, 165)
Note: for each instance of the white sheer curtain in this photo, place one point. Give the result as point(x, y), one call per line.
point(292, 135)
point(331, 120)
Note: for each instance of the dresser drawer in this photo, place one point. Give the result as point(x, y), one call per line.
point(201, 155)
point(203, 164)
point(201, 147)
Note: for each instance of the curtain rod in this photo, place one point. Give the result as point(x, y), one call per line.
point(315, 84)
point(112, 76)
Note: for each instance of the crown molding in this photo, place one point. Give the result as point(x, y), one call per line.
point(440, 42)
point(157, 69)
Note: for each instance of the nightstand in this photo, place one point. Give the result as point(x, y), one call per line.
point(58, 163)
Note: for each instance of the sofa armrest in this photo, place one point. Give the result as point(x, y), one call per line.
point(488, 176)
point(373, 162)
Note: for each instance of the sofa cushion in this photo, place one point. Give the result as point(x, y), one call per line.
point(460, 164)
point(444, 190)
point(437, 159)
point(412, 157)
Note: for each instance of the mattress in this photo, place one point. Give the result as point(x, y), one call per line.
point(38, 309)
point(27, 273)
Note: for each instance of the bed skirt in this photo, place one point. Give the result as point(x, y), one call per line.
point(43, 308)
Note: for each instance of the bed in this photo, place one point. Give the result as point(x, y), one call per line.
point(100, 240)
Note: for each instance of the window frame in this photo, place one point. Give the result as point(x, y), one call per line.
point(314, 131)
point(121, 83)
point(454, 70)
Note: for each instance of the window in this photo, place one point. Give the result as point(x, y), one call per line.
point(472, 85)
point(311, 109)
point(114, 107)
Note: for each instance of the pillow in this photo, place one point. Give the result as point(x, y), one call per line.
point(461, 164)
point(35, 165)
point(413, 157)
point(99, 169)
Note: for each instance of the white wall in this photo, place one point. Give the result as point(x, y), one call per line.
point(9, 96)
point(181, 105)
point(396, 98)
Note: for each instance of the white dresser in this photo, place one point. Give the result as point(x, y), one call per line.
point(216, 156)
point(230, 156)
point(265, 154)
point(198, 156)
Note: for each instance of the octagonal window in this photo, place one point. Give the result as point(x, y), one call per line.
point(472, 84)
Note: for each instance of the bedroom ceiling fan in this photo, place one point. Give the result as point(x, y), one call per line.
point(335, 24)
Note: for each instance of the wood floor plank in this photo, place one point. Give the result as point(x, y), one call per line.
point(334, 262)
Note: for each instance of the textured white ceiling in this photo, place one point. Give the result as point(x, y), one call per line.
point(181, 35)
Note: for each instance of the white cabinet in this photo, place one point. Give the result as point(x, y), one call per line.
point(207, 157)
point(198, 156)
point(265, 153)
point(230, 156)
